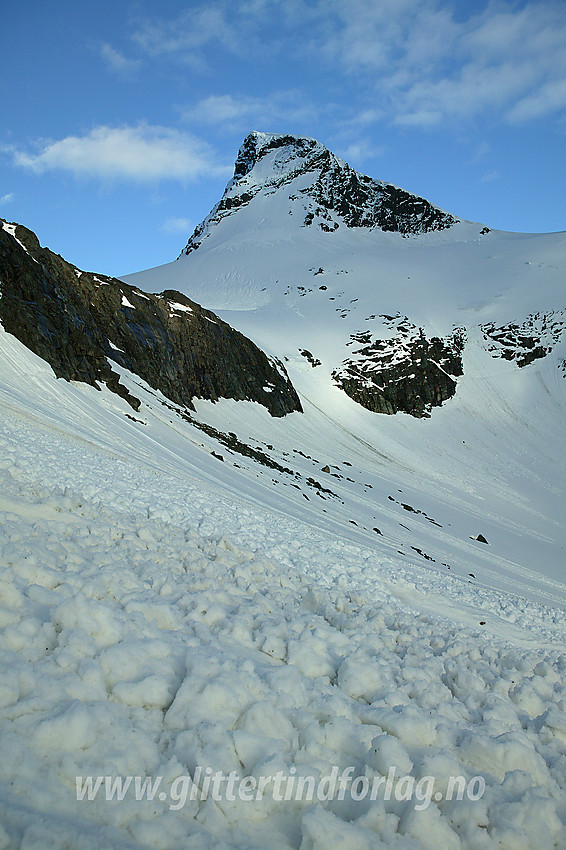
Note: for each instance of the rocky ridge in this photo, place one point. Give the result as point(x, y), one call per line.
point(82, 323)
point(336, 195)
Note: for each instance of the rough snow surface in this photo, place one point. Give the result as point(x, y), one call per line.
point(152, 624)
point(185, 595)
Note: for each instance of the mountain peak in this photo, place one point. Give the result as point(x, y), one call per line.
point(333, 193)
point(256, 145)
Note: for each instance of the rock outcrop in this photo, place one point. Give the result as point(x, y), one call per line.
point(528, 340)
point(406, 373)
point(81, 323)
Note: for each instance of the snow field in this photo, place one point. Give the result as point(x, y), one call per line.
point(166, 619)
point(137, 640)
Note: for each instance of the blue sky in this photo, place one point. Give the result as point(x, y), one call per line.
point(121, 120)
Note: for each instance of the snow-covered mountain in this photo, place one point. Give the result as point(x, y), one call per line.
point(371, 584)
point(378, 303)
point(379, 287)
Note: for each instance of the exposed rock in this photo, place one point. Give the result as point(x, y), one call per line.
point(422, 554)
point(314, 361)
point(78, 322)
point(43, 304)
point(528, 340)
point(407, 372)
point(361, 201)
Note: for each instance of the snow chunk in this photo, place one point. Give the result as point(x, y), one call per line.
point(179, 308)
point(386, 753)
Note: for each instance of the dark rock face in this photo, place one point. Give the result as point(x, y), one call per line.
point(78, 321)
point(526, 341)
point(42, 305)
point(407, 373)
point(363, 202)
point(336, 194)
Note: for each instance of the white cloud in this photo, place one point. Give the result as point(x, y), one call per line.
point(139, 153)
point(429, 64)
point(177, 225)
point(242, 112)
point(222, 109)
point(187, 35)
point(7, 198)
point(360, 151)
point(117, 62)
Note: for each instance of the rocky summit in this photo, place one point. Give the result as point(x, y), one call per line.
point(334, 193)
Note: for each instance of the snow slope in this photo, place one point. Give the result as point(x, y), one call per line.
point(285, 598)
point(490, 461)
point(160, 613)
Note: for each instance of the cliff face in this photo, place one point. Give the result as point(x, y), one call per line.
point(81, 322)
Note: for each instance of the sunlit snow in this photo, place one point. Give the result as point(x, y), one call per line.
point(155, 622)
point(331, 595)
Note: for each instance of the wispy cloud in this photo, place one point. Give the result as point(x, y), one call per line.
point(7, 198)
point(137, 153)
point(177, 225)
point(430, 65)
point(417, 63)
point(360, 151)
point(232, 113)
point(481, 152)
point(548, 98)
point(241, 28)
point(117, 62)
point(188, 34)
